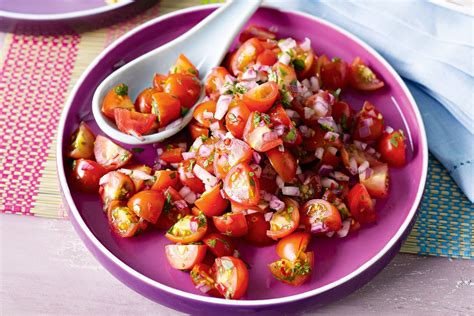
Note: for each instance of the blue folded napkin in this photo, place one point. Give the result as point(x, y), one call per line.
point(431, 47)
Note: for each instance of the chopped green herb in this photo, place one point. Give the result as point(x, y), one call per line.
point(211, 243)
point(298, 64)
point(192, 71)
point(121, 90)
point(173, 175)
point(256, 119)
point(191, 165)
point(290, 136)
point(138, 149)
point(184, 111)
point(344, 122)
point(337, 93)
point(283, 73)
point(251, 173)
point(334, 59)
point(233, 118)
point(393, 140)
point(266, 118)
point(124, 157)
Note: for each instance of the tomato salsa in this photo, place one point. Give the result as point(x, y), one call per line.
point(274, 155)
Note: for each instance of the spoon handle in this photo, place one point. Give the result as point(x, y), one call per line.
point(219, 29)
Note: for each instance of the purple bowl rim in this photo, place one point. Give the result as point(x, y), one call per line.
point(219, 301)
point(64, 16)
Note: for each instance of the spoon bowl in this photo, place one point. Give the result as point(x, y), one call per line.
point(205, 45)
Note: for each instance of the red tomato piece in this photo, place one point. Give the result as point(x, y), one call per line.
point(257, 230)
point(286, 75)
point(197, 130)
point(320, 216)
point(144, 100)
point(204, 113)
point(392, 147)
point(369, 124)
point(122, 220)
point(115, 186)
point(230, 152)
point(304, 64)
point(231, 277)
point(259, 135)
point(262, 97)
point(174, 209)
point(186, 88)
point(116, 98)
point(202, 279)
point(185, 257)
point(184, 66)
point(159, 82)
point(246, 55)
point(295, 272)
point(172, 154)
point(377, 183)
point(86, 175)
point(137, 172)
point(211, 202)
point(292, 246)
point(220, 245)
point(188, 178)
point(343, 114)
point(362, 77)
point(335, 74)
point(166, 108)
point(134, 123)
point(237, 117)
point(147, 204)
point(165, 179)
point(283, 162)
point(109, 154)
point(188, 229)
point(260, 32)
point(214, 81)
point(231, 224)
point(361, 205)
point(82, 143)
point(267, 57)
point(286, 221)
point(241, 185)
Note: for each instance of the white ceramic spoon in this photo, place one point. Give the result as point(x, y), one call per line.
point(205, 45)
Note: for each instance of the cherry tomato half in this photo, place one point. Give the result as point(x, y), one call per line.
point(260, 32)
point(230, 152)
point(295, 272)
point(116, 98)
point(174, 209)
point(147, 204)
point(286, 221)
point(220, 245)
point(86, 175)
point(186, 88)
point(369, 124)
point(166, 108)
point(115, 186)
point(283, 162)
point(241, 185)
point(320, 216)
point(361, 205)
point(257, 230)
point(378, 182)
point(262, 97)
point(164, 179)
point(185, 257)
point(237, 117)
point(258, 134)
point(362, 77)
point(291, 246)
point(82, 143)
point(187, 177)
point(184, 66)
point(134, 123)
point(211, 202)
point(109, 154)
point(335, 74)
point(122, 220)
point(204, 113)
point(188, 229)
point(232, 277)
point(246, 55)
point(231, 224)
point(202, 279)
point(214, 81)
point(143, 101)
point(392, 147)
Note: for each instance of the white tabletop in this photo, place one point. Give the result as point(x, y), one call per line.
point(45, 268)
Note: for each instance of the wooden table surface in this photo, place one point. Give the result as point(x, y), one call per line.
point(45, 268)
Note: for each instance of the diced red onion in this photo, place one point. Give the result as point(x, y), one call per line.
point(205, 99)
point(207, 115)
point(230, 79)
point(372, 113)
point(205, 176)
point(103, 180)
point(174, 123)
point(360, 145)
point(368, 122)
point(87, 166)
point(287, 44)
point(222, 192)
point(180, 204)
point(328, 121)
point(203, 287)
point(319, 153)
point(317, 227)
point(190, 197)
point(269, 136)
point(280, 182)
point(205, 151)
point(222, 106)
point(306, 44)
point(284, 59)
point(281, 148)
point(256, 157)
point(219, 133)
point(298, 170)
point(247, 85)
point(265, 195)
point(365, 174)
point(332, 150)
point(247, 212)
point(329, 183)
point(193, 226)
point(188, 155)
point(308, 112)
point(346, 138)
point(291, 191)
point(330, 135)
point(314, 84)
point(182, 146)
point(340, 176)
point(197, 143)
point(364, 131)
point(291, 113)
point(159, 151)
point(268, 216)
point(353, 165)
point(137, 174)
point(325, 170)
point(249, 74)
point(389, 129)
point(370, 150)
point(175, 165)
point(306, 83)
point(363, 166)
point(346, 225)
point(279, 129)
point(276, 204)
point(330, 234)
point(378, 155)
point(184, 191)
point(162, 162)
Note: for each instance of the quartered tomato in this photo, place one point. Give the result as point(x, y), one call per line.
point(283, 162)
point(172, 154)
point(196, 130)
point(335, 74)
point(257, 230)
point(214, 81)
point(144, 100)
point(392, 147)
point(202, 279)
point(122, 220)
point(260, 32)
point(343, 114)
point(220, 245)
point(361, 205)
point(174, 209)
point(117, 98)
point(166, 108)
point(291, 135)
point(159, 82)
point(320, 62)
point(186, 88)
point(204, 113)
point(185, 257)
point(134, 123)
point(109, 154)
point(211, 202)
point(360, 156)
point(285, 74)
point(311, 188)
point(378, 182)
point(231, 276)
point(164, 179)
point(229, 152)
point(286, 221)
point(237, 117)
point(188, 229)
point(295, 272)
point(205, 154)
point(231, 224)
point(82, 143)
point(246, 55)
point(184, 66)
point(258, 134)
point(267, 58)
point(369, 124)
point(138, 173)
point(362, 77)
point(115, 186)
point(147, 204)
point(304, 63)
point(86, 175)
point(187, 177)
point(320, 216)
point(262, 97)
point(241, 185)
point(292, 246)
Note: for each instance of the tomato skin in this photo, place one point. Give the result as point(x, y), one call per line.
point(122, 220)
point(291, 272)
point(246, 55)
point(335, 74)
point(343, 114)
point(267, 57)
point(185, 170)
point(185, 257)
point(361, 205)
point(116, 98)
point(171, 213)
point(257, 230)
point(231, 277)
point(362, 78)
point(392, 147)
point(207, 106)
point(82, 143)
point(159, 82)
point(184, 66)
point(206, 153)
point(115, 186)
point(254, 132)
point(262, 97)
point(322, 213)
point(237, 117)
point(283, 162)
point(165, 179)
point(285, 74)
point(241, 185)
point(260, 32)
point(139, 183)
point(109, 154)
point(228, 153)
point(231, 224)
point(220, 245)
point(211, 202)
point(309, 62)
point(196, 130)
point(188, 229)
point(378, 183)
point(186, 88)
point(201, 276)
point(215, 80)
point(291, 246)
point(172, 154)
point(134, 123)
point(143, 101)
point(362, 130)
point(86, 175)
point(290, 216)
point(147, 204)
point(165, 107)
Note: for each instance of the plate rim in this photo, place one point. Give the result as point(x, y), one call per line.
point(219, 301)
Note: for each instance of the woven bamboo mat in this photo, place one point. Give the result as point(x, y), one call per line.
point(30, 111)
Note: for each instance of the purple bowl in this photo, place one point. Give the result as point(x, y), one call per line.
point(342, 265)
